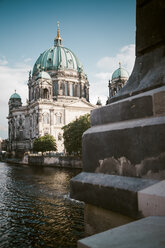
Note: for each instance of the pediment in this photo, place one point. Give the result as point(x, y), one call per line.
point(81, 104)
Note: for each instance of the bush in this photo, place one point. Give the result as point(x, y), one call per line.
point(44, 144)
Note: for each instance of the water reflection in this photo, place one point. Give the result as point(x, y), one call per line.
point(35, 210)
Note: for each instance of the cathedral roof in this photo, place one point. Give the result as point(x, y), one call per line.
point(120, 73)
point(15, 96)
point(57, 58)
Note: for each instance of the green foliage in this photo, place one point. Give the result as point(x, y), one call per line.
point(73, 134)
point(44, 144)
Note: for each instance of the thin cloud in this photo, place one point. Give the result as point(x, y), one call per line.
point(11, 78)
point(106, 66)
point(27, 60)
point(103, 75)
point(3, 61)
point(126, 57)
point(3, 128)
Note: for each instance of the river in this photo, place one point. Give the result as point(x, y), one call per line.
point(35, 208)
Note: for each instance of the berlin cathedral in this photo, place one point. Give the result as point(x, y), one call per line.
point(58, 94)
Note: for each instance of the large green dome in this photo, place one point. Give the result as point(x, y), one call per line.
point(120, 73)
point(57, 58)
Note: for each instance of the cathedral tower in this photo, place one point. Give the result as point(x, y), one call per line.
point(119, 79)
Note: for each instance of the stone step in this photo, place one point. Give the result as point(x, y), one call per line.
point(115, 193)
point(145, 233)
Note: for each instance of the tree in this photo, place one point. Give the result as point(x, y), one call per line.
point(44, 143)
point(73, 134)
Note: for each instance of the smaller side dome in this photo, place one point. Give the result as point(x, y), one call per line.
point(43, 74)
point(120, 73)
point(14, 101)
point(15, 96)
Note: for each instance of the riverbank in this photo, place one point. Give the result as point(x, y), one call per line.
point(46, 160)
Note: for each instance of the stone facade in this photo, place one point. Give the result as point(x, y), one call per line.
point(58, 94)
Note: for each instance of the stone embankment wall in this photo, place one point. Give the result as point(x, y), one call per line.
point(58, 161)
point(46, 160)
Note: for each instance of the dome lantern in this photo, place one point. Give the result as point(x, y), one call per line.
point(58, 39)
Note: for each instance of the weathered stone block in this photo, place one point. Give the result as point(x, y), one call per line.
point(151, 14)
point(159, 103)
point(151, 200)
point(98, 219)
point(135, 140)
point(131, 108)
point(111, 192)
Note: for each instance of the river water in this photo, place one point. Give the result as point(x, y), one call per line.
point(35, 208)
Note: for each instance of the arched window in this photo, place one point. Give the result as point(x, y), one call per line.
point(46, 118)
point(75, 90)
point(31, 121)
point(59, 136)
point(45, 94)
point(37, 94)
point(55, 91)
point(63, 88)
point(37, 118)
point(32, 93)
point(20, 134)
point(85, 91)
point(114, 91)
point(79, 90)
point(58, 118)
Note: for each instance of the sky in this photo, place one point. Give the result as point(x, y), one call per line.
point(100, 32)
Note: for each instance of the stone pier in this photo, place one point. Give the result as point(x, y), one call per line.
point(124, 150)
